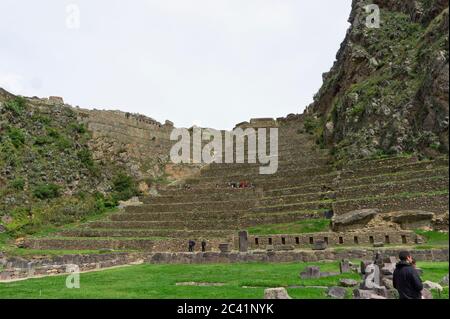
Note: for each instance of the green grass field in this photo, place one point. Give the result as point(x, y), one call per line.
point(433, 239)
point(241, 281)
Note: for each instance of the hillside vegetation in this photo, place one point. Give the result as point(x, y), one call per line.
point(47, 174)
point(387, 92)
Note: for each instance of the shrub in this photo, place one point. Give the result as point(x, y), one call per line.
point(16, 105)
point(124, 187)
point(46, 191)
point(42, 140)
point(85, 158)
point(78, 128)
point(311, 124)
point(43, 119)
point(357, 110)
point(52, 132)
point(18, 184)
point(63, 144)
point(17, 137)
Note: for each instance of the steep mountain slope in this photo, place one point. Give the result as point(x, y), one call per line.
point(48, 175)
point(388, 90)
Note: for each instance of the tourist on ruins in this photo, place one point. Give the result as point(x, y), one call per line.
point(406, 278)
point(191, 246)
point(232, 184)
point(203, 245)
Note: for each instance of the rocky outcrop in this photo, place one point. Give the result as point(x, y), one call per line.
point(373, 219)
point(388, 90)
point(353, 220)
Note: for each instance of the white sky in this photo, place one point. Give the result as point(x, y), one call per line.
point(207, 62)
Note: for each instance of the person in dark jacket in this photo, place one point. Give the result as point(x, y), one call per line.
point(191, 246)
point(203, 245)
point(406, 278)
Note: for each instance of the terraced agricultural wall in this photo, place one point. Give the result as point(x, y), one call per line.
point(292, 241)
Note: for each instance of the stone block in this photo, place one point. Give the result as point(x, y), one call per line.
point(336, 292)
point(243, 241)
point(344, 266)
point(426, 294)
point(366, 294)
point(348, 283)
point(310, 272)
point(388, 283)
point(432, 285)
point(388, 269)
point(276, 293)
point(444, 281)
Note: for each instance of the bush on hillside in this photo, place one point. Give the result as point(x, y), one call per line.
point(46, 191)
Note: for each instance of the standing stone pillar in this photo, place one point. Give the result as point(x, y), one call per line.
point(243, 241)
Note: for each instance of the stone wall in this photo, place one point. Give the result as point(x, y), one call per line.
point(140, 143)
point(16, 267)
point(333, 239)
point(287, 256)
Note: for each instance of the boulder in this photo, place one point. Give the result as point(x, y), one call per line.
point(432, 285)
point(366, 294)
point(344, 266)
point(426, 294)
point(276, 293)
point(388, 283)
point(444, 281)
point(411, 219)
point(388, 269)
point(7, 219)
point(2, 229)
point(348, 283)
point(353, 220)
point(134, 201)
point(20, 242)
point(378, 245)
point(336, 292)
point(310, 272)
point(382, 291)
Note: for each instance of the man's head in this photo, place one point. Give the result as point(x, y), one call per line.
point(405, 256)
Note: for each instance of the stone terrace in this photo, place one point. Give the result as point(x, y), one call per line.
point(305, 186)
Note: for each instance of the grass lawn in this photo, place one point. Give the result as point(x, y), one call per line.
point(433, 239)
point(300, 227)
point(159, 281)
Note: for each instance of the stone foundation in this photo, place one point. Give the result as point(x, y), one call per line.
point(17, 268)
point(286, 256)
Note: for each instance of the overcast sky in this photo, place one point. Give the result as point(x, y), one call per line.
point(207, 62)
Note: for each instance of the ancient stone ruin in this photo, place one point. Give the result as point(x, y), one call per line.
point(305, 187)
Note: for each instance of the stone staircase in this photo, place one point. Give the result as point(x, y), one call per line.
point(305, 186)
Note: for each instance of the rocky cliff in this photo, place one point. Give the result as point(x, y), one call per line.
point(388, 91)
